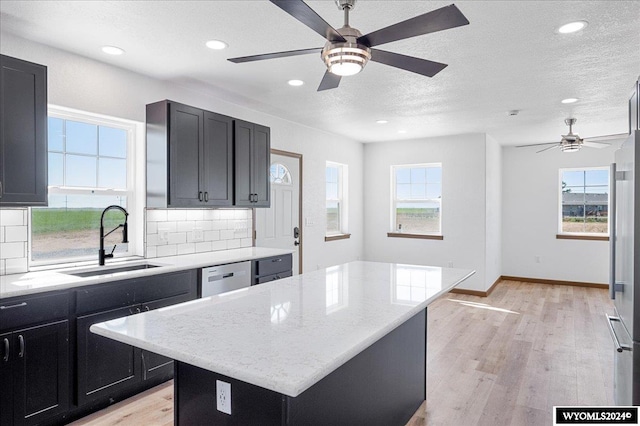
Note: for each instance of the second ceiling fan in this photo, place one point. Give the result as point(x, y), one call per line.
point(347, 51)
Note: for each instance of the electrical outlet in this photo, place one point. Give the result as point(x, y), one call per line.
point(163, 235)
point(308, 221)
point(198, 235)
point(223, 397)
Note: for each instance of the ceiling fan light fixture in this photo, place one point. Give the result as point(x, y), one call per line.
point(343, 59)
point(570, 147)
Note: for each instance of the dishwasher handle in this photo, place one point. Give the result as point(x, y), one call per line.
point(614, 336)
point(223, 276)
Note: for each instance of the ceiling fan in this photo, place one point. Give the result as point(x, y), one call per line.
point(572, 142)
point(347, 51)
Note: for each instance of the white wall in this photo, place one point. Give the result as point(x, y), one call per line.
point(463, 203)
point(530, 217)
point(89, 85)
point(493, 244)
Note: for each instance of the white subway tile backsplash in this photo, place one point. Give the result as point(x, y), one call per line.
point(210, 214)
point(152, 252)
point(157, 215)
point(227, 214)
point(168, 250)
point(176, 215)
point(195, 214)
point(169, 226)
point(211, 235)
point(1, 234)
point(227, 234)
point(205, 225)
point(246, 242)
point(185, 226)
point(12, 250)
point(231, 244)
point(203, 246)
point(218, 245)
point(187, 248)
point(16, 266)
point(15, 233)
point(177, 237)
point(152, 227)
point(219, 224)
point(12, 217)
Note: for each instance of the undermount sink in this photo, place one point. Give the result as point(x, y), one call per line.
point(107, 270)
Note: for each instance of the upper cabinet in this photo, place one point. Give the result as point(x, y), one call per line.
point(189, 157)
point(196, 158)
point(252, 157)
point(23, 133)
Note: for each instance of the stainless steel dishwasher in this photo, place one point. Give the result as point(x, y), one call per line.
point(223, 278)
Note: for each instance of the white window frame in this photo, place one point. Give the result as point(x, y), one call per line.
point(560, 216)
point(343, 203)
point(135, 195)
point(394, 199)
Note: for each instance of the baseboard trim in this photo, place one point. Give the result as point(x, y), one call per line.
point(526, 280)
point(477, 292)
point(554, 282)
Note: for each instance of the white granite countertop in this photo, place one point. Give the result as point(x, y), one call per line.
point(288, 334)
point(56, 279)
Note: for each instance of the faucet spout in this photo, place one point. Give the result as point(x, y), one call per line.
point(101, 253)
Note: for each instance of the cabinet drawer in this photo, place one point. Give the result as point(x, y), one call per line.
point(19, 312)
point(273, 277)
point(163, 286)
point(102, 298)
point(273, 265)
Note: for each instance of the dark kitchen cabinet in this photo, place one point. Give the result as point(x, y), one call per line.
point(272, 268)
point(34, 374)
point(189, 157)
point(252, 153)
point(23, 133)
point(104, 365)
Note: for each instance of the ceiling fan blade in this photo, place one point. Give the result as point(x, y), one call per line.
point(607, 137)
point(275, 55)
point(409, 63)
point(329, 81)
point(536, 144)
point(303, 13)
point(430, 22)
point(548, 148)
point(596, 144)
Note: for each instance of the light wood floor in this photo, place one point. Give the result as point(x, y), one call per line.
point(506, 359)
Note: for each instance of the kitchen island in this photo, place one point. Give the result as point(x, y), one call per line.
point(343, 345)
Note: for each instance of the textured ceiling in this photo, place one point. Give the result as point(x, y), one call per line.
point(509, 57)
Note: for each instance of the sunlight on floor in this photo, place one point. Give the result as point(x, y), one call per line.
point(482, 306)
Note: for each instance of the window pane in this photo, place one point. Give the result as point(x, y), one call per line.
point(82, 138)
point(418, 175)
point(332, 174)
point(333, 217)
point(418, 218)
point(70, 226)
point(80, 171)
point(597, 177)
point(113, 142)
point(434, 174)
point(403, 192)
point(418, 191)
point(573, 178)
point(434, 191)
point(332, 191)
point(403, 175)
point(55, 134)
point(56, 176)
point(112, 173)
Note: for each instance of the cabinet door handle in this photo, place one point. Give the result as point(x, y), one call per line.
point(5, 358)
point(146, 308)
point(138, 310)
point(206, 197)
point(18, 305)
point(21, 341)
point(200, 196)
point(0, 189)
point(277, 260)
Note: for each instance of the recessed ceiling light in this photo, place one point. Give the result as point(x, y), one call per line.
point(402, 131)
point(569, 100)
point(112, 50)
point(295, 82)
point(381, 121)
point(572, 27)
point(216, 44)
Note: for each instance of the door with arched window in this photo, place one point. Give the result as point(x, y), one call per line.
point(279, 225)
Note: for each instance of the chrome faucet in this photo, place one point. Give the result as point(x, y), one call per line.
point(101, 254)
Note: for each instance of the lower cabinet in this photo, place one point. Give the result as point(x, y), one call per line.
point(104, 365)
point(272, 268)
point(34, 373)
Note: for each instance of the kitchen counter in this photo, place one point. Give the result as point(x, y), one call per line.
point(288, 335)
point(56, 279)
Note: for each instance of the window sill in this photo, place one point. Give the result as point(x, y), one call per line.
point(582, 237)
point(337, 237)
point(419, 236)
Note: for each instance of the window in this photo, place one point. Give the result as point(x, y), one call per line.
point(279, 174)
point(336, 199)
point(90, 167)
point(584, 201)
point(417, 199)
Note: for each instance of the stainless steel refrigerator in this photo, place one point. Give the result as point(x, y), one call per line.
point(624, 285)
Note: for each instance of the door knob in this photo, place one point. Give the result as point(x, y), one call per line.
point(296, 232)
point(296, 243)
